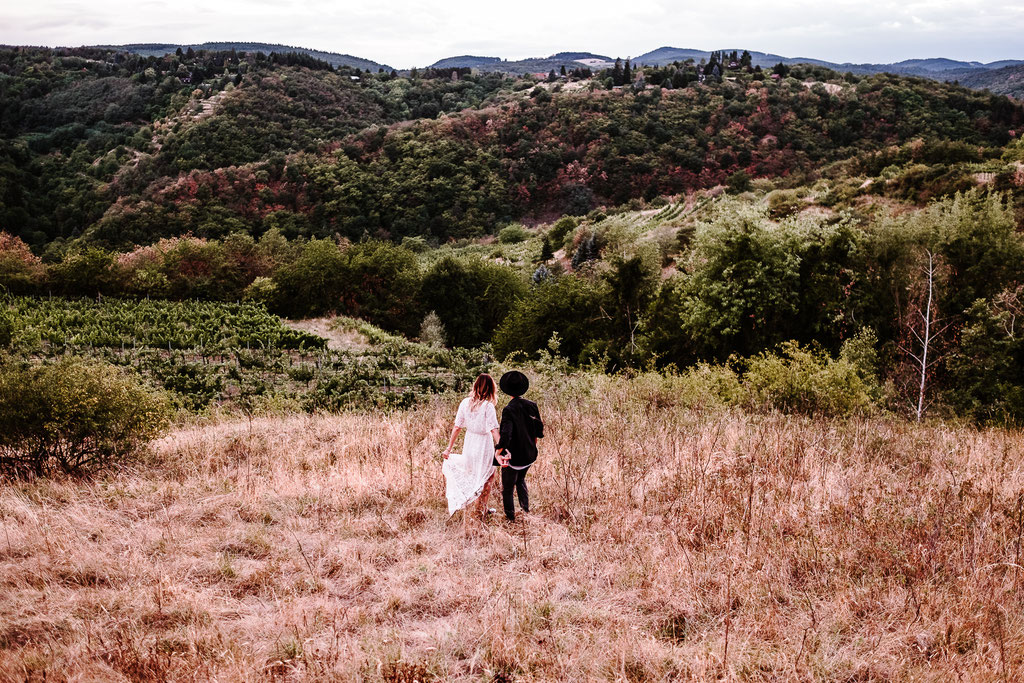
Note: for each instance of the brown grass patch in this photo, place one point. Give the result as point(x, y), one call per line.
point(664, 544)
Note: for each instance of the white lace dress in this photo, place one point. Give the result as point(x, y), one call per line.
point(466, 473)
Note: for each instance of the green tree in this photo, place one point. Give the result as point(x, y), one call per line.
point(90, 271)
point(632, 283)
point(313, 283)
point(547, 252)
point(985, 371)
point(617, 73)
point(570, 306)
point(743, 285)
point(381, 283)
point(471, 296)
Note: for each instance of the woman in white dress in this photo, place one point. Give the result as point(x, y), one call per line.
point(468, 474)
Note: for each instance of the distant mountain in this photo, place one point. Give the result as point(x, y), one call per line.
point(667, 55)
point(1008, 80)
point(1003, 77)
point(917, 67)
point(934, 64)
point(333, 58)
point(578, 56)
point(570, 60)
point(466, 61)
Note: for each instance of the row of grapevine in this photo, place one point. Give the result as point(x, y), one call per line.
point(235, 355)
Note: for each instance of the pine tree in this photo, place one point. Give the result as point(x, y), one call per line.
point(627, 73)
point(563, 70)
point(587, 251)
point(547, 251)
point(617, 72)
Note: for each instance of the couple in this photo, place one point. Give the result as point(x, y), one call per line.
point(512, 445)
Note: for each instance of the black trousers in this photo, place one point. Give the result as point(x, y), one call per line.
point(516, 479)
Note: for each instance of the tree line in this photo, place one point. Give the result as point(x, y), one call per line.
point(744, 283)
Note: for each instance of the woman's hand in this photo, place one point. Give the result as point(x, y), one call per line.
point(447, 452)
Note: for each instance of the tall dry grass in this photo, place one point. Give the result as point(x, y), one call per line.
point(666, 543)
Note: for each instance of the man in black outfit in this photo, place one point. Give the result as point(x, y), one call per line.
point(521, 426)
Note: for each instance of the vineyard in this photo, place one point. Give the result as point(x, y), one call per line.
point(236, 356)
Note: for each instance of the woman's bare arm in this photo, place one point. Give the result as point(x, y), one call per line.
point(451, 441)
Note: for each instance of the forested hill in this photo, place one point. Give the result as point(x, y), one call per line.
point(1008, 80)
point(332, 58)
point(119, 149)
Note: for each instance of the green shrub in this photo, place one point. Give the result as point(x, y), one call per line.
point(416, 245)
point(513, 234)
point(73, 416)
point(801, 380)
point(783, 203)
point(262, 290)
point(986, 368)
point(561, 229)
point(700, 386)
point(738, 182)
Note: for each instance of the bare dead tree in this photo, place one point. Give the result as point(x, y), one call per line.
point(924, 329)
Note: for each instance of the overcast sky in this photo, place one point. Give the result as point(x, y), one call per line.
point(404, 33)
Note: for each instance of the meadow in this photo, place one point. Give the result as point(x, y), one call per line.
point(671, 538)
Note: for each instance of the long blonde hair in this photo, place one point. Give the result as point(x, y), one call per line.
point(483, 390)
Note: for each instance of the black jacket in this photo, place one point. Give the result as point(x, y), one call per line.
point(521, 426)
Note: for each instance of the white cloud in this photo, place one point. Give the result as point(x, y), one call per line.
point(406, 33)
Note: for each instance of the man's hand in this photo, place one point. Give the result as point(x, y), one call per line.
point(499, 455)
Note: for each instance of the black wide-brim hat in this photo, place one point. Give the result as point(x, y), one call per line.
point(514, 383)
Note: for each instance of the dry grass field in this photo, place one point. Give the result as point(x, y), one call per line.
point(667, 542)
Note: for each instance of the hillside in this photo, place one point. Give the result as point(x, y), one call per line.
point(332, 58)
point(106, 125)
point(212, 144)
point(1008, 80)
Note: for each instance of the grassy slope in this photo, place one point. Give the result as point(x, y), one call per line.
point(667, 543)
